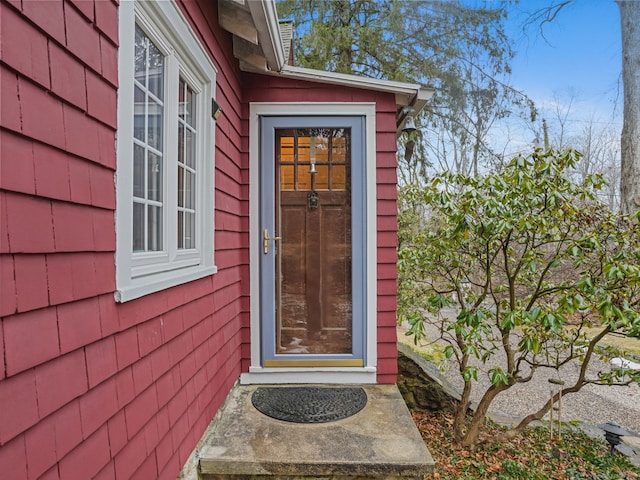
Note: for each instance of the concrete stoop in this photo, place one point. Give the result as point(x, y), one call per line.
point(379, 442)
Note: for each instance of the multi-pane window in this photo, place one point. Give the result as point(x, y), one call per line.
point(148, 145)
point(186, 166)
point(165, 151)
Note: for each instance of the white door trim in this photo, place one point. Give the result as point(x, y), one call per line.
point(257, 373)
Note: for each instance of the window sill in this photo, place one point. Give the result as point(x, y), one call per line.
point(139, 287)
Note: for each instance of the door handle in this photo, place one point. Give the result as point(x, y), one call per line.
point(265, 240)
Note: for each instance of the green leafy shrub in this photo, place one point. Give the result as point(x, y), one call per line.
point(518, 263)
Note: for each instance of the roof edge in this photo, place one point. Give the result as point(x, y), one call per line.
point(410, 91)
point(264, 14)
point(406, 94)
point(267, 23)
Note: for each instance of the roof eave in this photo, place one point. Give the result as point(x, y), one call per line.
point(406, 94)
point(265, 36)
point(265, 19)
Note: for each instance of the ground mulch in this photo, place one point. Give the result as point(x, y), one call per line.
point(533, 455)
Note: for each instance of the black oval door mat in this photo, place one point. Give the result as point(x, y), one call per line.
point(309, 404)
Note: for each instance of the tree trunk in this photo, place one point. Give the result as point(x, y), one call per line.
point(577, 386)
point(461, 412)
point(630, 138)
point(465, 400)
point(479, 416)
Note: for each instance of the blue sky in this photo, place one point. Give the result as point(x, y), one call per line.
point(582, 55)
point(576, 68)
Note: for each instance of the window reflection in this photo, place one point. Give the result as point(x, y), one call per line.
point(187, 174)
point(148, 147)
point(314, 312)
point(323, 150)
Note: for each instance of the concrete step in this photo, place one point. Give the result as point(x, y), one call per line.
point(379, 442)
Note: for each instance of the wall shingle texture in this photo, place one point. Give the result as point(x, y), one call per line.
point(129, 386)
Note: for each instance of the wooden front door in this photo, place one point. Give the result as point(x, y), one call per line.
point(311, 284)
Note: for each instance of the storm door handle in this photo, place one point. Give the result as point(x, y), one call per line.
point(265, 240)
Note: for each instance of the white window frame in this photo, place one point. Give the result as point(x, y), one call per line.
point(142, 273)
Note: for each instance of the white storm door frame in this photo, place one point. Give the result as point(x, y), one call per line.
point(353, 375)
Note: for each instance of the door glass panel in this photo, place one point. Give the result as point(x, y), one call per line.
point(303, 177)
point(338, 176)
point(287, 178)
point(322, 177)
point(313, 261)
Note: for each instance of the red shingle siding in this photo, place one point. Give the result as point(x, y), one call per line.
point(66, 74)
point(29, 55)
point(273, 89)
point(41, 114)
point(51, 168)
point(10, 114)
point(13, 458)
point(387, 240)
point(31, 282)
point(16, 175)
point(107, 20)
point(83, 39)
point(26, 215)
point(131, 386)
point(19, 405)
point(39, 330)
point(48, 17)
point(60, 381)
point(8, 297)
point(41, 448)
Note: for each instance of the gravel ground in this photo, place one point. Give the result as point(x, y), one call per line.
point(592, 404)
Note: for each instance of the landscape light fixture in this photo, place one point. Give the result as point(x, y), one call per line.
point(613, 434)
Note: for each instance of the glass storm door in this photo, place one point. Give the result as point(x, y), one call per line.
point(312, 215)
